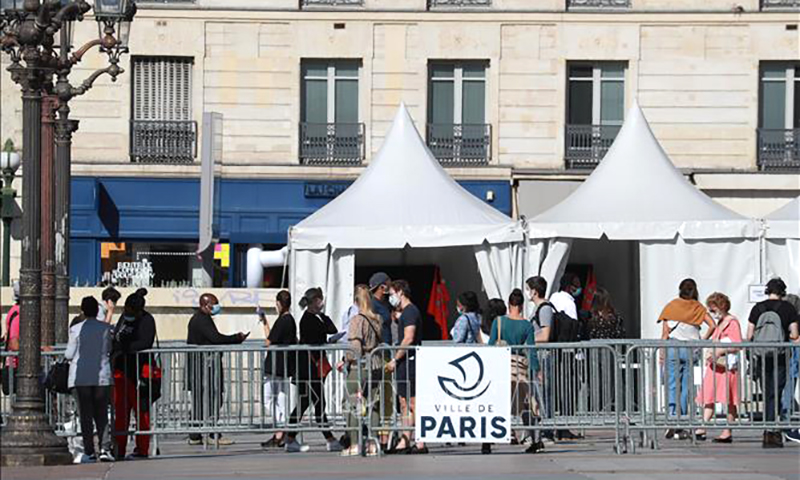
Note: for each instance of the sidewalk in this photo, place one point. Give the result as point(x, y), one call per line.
point(591, 458)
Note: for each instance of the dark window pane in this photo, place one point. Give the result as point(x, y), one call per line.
point(315, 69)
point(773, 105)
point(474, 70)
point(346, 101)
point(580, 71)
point(580, 103)
point(441, 70)
point(473, 107)
point(315, 101)
point(441, 104)
point(612, 102)
point(347, 68)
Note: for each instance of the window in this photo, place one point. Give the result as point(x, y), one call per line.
point(330, 3)
point(330, 132)
point(459, 3)
point(457, 129)
point(780, 4)
point(595, 111)
point(162, 130)
point(597, 4)
point(779, 116)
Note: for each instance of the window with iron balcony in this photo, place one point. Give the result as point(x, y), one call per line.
point(331, 3)
point(597, 4)
point(330, 131)
point(779, 117)
point(458, 3)
point(780, 5)
point(162, 129)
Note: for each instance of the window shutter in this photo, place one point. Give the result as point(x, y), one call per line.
point(162, 88)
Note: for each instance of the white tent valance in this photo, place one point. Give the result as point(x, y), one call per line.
point(784, 222)
point(404, 197)
point(636, 193)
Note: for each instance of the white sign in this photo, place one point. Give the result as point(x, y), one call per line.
point(133, 274)
point(463, 395)
point(756, 293)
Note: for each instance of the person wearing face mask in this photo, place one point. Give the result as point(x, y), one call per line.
point(135, 332)
point(312, 369)
point(206, 394)
point(279, 366)
point(467, 327)
point(721, 377)
point(564, 299)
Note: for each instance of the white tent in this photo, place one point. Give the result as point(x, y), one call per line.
point(637, 194)
point(404, 198)
point(782, 245)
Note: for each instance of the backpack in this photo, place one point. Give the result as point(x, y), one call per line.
point(564, 328)
point(769, 328)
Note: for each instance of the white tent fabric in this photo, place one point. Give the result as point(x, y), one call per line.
point(718, 265)
point(636, 193)
point(784, 222)
point(782, 245)
point(404, 198)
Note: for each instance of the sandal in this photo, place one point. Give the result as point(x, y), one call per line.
point(393, 450)
point(535, 447)
point(724, 439)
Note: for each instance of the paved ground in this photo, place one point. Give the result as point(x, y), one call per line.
point(592, 458)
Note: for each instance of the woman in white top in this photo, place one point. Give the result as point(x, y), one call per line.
point(88, 351)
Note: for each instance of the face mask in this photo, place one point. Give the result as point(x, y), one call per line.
point(394, 300)
point(717, 316)
point(103, 311)
point(216, 309)
point(577, 292)
point(322, 305)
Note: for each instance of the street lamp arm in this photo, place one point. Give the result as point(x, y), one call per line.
point(112, 70)
point(78, 55)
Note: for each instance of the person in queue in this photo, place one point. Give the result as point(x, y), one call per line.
point(681, 320)
point(279, 366)
point(207, 394)
point(514, 330)
point(109, 299)
point(312, 369)
point(771, 318)
point(135, 332)
point(467, 327)
point(11, 341)
point(364, 336)
point(379, 284)
point(604, 322)
point(89, 351)
point(721, 376)
point(791, 392)
point(404, 360)
point(495, 307)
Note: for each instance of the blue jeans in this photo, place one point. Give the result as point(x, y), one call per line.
point(788, 391)
point(678, 366)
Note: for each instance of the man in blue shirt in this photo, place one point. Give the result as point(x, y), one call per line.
point(379, 287)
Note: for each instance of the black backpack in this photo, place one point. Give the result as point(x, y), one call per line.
point(564, 328)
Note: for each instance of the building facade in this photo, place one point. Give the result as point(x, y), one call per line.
point(518, 99)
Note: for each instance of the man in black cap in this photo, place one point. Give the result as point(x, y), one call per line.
point(379, 287)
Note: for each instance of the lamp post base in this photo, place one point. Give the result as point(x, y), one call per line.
point(27, 440)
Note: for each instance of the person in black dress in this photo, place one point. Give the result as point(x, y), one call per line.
point(278, 365)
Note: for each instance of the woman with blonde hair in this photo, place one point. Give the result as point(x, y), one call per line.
point(364, 335)
point(721, 377)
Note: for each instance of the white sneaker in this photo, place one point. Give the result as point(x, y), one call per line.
point(106, 456)
point(335, 446)
point(293, 446)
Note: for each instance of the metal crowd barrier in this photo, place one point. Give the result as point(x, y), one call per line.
point(634, 390)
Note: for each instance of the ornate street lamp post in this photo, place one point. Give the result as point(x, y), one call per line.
point(28, 35)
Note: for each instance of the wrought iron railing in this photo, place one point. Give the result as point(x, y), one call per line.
point(586, 145)
point(779, 149)
point(330, 3)
point(156, 141)
point(459, 3)
point(780, 4)
point(460, 144)
point(331, 143)
point(572, 4)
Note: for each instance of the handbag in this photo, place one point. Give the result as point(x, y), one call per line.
point(322, 366)
point(519, 362)
point(729, 361)
point(57, 379)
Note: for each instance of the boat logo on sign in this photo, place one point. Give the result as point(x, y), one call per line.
point(471, 367)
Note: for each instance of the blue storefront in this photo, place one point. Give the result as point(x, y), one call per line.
point(117, 219)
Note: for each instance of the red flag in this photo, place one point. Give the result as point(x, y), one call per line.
point(589, 291)
point(437, 305)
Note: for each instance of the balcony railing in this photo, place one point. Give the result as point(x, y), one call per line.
point(331, 143)
point(597, 4)
point(460, 144)
point(586, 145)
point(330, 3)
point(779, 149)
point(458, 3)
point(155, 141)
point(780, 4)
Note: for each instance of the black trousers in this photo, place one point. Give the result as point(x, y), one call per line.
point(93, 412)
point(310, 392)
point(774, 383)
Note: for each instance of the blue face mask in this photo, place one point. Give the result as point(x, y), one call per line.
point(577, 292)
point(216, 309)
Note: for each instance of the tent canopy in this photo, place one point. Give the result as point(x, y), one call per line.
point(785, 222)
point(404, 197)
point(636, 193)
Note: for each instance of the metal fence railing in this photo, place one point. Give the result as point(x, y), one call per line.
point(634, 390)
point(460, 144)
point(330, 144)
point(157, 141)
point(779, 150)
point(586, 145)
